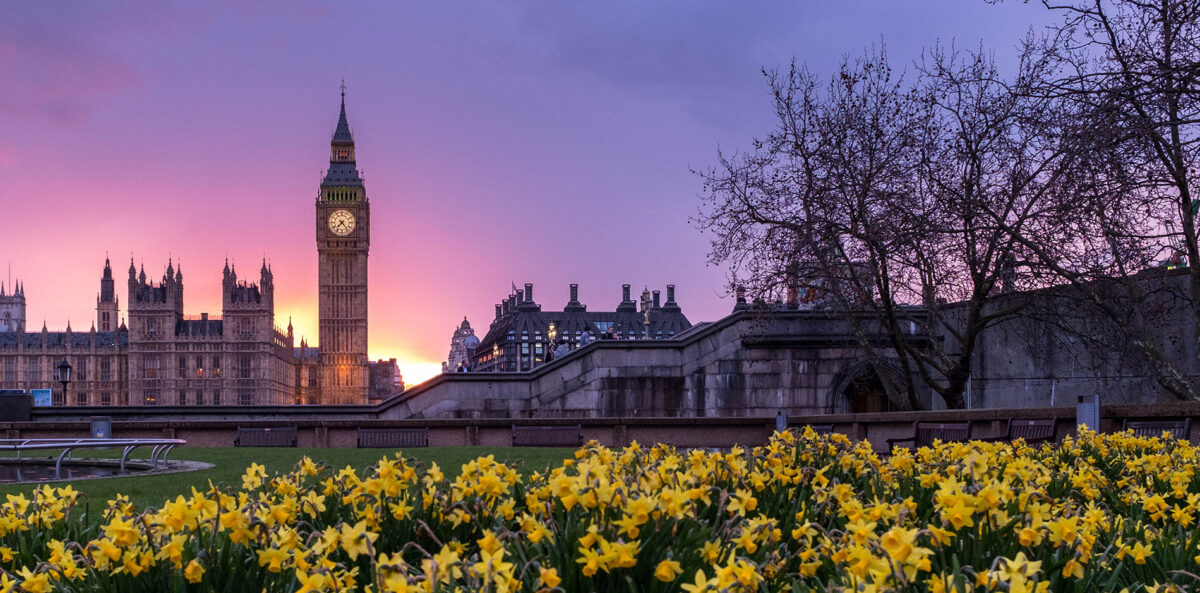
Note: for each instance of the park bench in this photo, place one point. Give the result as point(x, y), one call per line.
point(1036, 430)
point(547, 436)
point(924, 433)
point(275, 436)
point(392, 438)
point(817, 428)
point(1180, 429)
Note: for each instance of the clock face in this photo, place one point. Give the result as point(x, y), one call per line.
point(341, 222)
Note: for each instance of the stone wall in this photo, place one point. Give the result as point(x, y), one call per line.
point(319, 428)
point(747, 364)
point(1042, 358)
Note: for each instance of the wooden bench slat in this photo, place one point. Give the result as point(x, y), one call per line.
point(393, 438)
point(925, 433)
point(1179, 429)
point(275, 436)
point(547, 436)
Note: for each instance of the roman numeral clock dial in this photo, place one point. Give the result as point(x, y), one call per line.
point(341, 222)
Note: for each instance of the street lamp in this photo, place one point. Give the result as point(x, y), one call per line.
point(64, 376)
point(496, 358)
point(552, 332)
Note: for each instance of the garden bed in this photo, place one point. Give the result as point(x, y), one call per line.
point(803, 513)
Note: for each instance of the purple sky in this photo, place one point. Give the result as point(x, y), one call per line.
point(501, 142)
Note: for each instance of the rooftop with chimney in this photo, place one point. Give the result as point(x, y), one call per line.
point(521, 330)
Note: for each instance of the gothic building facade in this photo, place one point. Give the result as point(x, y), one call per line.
point(239, 358)
point(12, 307)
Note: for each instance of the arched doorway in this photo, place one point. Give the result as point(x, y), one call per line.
point(859, 389)
point(865, 394)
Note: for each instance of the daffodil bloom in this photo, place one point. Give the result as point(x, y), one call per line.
point(667, 571)
point(273, 559)
point(34, 582)
point(700, 584)
point(121, 532)
point(1138, 551)
point(357, 539)
point(548, 577)
point(194, 572)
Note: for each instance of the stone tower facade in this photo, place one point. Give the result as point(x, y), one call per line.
point(462, 349)
point(343, 239)
point(106, 301)
point(12, 307)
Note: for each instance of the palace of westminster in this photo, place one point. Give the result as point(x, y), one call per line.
point(242, 358)
point(163, 357)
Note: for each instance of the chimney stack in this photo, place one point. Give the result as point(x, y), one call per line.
point(520, 297)
point(671, 305)
point(657, 305)
point(574, 305)
point(627, 305)
point(741, 299)
point(498, 311)
point(529, 292)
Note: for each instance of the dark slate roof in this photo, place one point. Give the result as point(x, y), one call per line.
point(342, 174)
point(59, 339)
point(199, 327)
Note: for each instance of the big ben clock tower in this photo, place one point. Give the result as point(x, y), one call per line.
point(343, 239)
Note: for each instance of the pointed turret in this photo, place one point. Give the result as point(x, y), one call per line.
point(108, 293)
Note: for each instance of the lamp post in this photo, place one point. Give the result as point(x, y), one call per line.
point(64, 376)
point(496, 358)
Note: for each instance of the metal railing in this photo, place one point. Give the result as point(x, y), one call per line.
point(161, 448)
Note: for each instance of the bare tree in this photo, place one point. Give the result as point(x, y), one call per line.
point(1128, 71)
point(885, 197)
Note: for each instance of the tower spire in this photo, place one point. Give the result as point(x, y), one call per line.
point(341, 135)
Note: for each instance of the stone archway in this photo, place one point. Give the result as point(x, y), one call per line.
point(859, 389)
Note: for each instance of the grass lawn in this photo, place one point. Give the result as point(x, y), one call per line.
point(229, 464)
